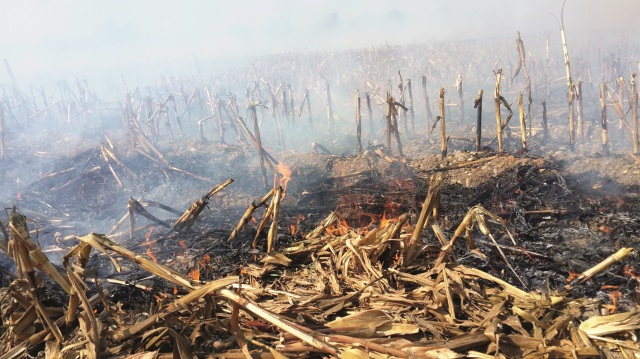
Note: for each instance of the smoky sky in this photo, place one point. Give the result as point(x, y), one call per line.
point(72, 37)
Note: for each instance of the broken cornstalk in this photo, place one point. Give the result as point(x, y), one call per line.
point(186, 221)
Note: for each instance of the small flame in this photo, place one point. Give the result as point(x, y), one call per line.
point(147, 239)
point(338, 228)
point(384, 221)
point(286, 173)
point(19, 196)
point(194, 274)
point(294, 224)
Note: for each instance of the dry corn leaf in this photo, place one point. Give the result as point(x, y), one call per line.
point(431, 352)
point(610, 324)
point(366, 319)
point(397, 328)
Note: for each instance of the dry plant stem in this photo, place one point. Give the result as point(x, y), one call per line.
point(429, 204)
point(388, 118)
point(523, 126)
point(249, 212)
point(411, 110)
point(40, 336)
point(1, 133)
point(74, 300)
point(477, 104)
point(331, 219)
point(619, 111)
point(603, 119)
point(253, 140)
point(370, 113)
point(303, 102)
point(19, 232)
point(358, 122)
point(273, 230)
point(530, 105)
point(460, 96)
point(570, 85)
point(392, 121)
point(329, 110)
point(443, 128)
point(462, 165)
point(426, 105)
point(545, 128)
point(186, 221)
point(139, 209)
point(634, 114)
point(580, 130)
point(274, 320)
point(258, 144)
point(497, 106)
point(591, 272)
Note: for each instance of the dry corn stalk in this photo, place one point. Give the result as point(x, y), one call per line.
point(189, 217)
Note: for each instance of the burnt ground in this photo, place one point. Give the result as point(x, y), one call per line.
point(571, 208)
point(567, 210)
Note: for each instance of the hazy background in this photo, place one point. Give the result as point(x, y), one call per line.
point(106, 38)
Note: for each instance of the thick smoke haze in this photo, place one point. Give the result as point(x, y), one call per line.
point(95, 39)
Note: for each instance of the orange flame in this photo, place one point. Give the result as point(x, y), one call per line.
point(194, 274)
point(286, 173)
point(294, 223)
point(338, 228)
point(147, 239)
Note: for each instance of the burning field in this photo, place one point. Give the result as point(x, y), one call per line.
point(329, 205)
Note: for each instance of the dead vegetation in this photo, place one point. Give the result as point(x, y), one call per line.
point(346, 249)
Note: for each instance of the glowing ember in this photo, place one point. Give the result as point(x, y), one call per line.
point(147, 239)
point(572, 276)
point(183, 244)
point(286, 173)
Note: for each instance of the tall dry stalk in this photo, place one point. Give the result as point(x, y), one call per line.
point(603, 119)
point(327, 94)
point(256, 133)
point(579, 110)
point(460, 96)
point(523, 126)
point(497, 106)
point(498, 99)
point(392, 121)
point(545, 128)
point(411, 111)
point(443, 127)
point(426, 105)
point(1, 133)
point(634, 113)
point(570, 85)
point(477, 104)
point(358, 122)
point(369, 112)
